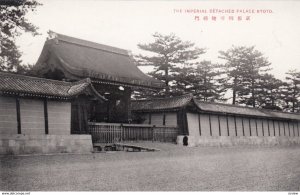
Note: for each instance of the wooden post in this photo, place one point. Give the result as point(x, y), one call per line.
point(250, 126)
point(199, 123)
point(279, 128)
point(18, 115)
point(256, 127)
point(150, 118)
point(268, 127)
point(46, 116)
point(227, 125)
point(274, 127)
point(262, 127)
point(289, 128)
point(164, 118)
point(243, 126)
point(210, 125)
point(219, 125)
point(153, 133)
point(235, 125)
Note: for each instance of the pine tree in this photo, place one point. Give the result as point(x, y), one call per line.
point(244, 66)
point(12, 24)
point(269, 92)
point(208, 83)
point(292, 91)
point(170, 52)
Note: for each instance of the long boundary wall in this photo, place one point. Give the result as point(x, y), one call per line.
point(203, 124)
point(221, 141)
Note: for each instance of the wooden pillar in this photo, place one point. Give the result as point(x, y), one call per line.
point(274, 127)
point(227, 125)
point(164, 118)
point(46, 116)
point(219, 125)
point(243, 126)
point(256, 127)
point(262, 127)
point(279, 127)
point(199, 123)
point(210, 130)
point(250, 126)
point(18, 115)
point(235, 125)
point(150, 118)
point(268, 127)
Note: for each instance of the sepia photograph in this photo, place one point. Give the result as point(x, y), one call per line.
point(149, 96)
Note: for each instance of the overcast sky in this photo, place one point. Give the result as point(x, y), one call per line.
point(124, 24)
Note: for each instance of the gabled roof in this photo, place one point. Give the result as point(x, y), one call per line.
point(167, 104)
point(20, 85)
point(78, 58)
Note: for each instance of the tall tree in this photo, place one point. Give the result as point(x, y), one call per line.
point(167, 53)
point(244, 66)
point(208, 83)
point(269, 92)
point(292, 91)
point(13, 23)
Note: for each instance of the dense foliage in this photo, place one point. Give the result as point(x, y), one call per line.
point(244, 73)
point(13, 23)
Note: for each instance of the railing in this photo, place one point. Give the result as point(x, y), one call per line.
point(114, 132)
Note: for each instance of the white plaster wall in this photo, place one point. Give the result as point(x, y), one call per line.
point(171, 118)
point(59, 118)
point(204, 121)
point(157, 118)
point(8, 115)
point(32, 116)
point(193, 124)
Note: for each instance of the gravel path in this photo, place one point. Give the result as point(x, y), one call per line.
point(174, 168)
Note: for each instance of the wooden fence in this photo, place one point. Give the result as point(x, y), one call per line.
point(114, 132)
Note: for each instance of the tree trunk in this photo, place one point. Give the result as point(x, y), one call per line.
point(167, 94)
point(252, 91)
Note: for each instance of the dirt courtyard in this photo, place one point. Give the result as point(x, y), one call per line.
point(174, 168)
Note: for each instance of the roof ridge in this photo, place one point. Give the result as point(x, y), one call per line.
point(20, 76)
point(169, 98)
point(90, 44)
point(240, 106)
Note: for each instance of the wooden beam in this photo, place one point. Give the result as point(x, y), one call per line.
point(18, 115)
point(46, 116)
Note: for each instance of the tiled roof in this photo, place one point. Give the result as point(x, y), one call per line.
point(32, 86)
point(161, 103)
point(181, 101)
point(81, 59)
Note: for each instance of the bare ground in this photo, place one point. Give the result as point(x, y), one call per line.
point(174, 168)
